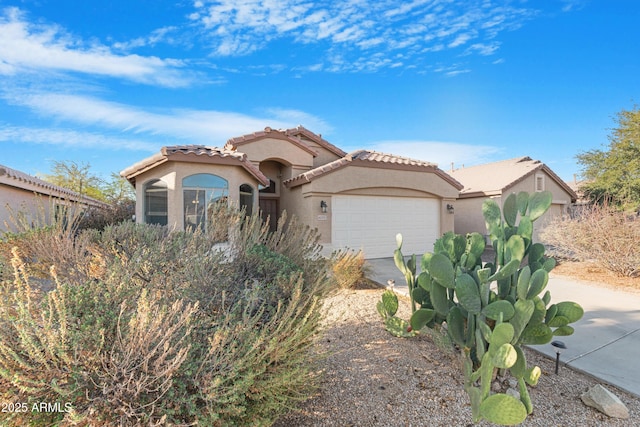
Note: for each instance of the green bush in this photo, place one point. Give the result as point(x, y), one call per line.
point(149, 327)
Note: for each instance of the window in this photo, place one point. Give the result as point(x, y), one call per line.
point(155, 203)
point(271, 189)
point(539, 182)
point(246, 198)
point(201, 194)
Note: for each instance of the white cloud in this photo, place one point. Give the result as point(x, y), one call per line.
point(159, 127)
point(442, 153)
point(26, 47)
point(71, 138)
point(359, 28)
point(570, 5)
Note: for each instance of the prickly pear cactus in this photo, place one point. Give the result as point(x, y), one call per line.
point(387, 308)
point(490, 309)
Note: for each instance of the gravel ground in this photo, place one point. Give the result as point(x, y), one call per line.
point(371, 378)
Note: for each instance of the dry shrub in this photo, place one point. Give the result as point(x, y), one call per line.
point(347, 268)
point(149, 327)
point(598, 234)
point(45, 242)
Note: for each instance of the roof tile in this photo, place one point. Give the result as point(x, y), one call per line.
point(493, 178)
point(21, 180)
point(193, 150)
point(363, 156)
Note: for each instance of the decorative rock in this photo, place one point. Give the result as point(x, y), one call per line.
point(606, 402)
point(513, 392)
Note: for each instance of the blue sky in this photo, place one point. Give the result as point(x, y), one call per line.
point(109, 83)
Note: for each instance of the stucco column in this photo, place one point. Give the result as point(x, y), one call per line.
point(447, 215)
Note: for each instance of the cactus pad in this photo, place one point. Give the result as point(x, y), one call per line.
point(503, 409)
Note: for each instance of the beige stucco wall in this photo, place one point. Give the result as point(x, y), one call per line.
point(359, 178)
point(34, 207)
point(35, 203)
point(324, 156)
point(172, 173)
point(468, 216)
point(277, 149)
point(15, 200)
point(354, 180)
point(561, 200)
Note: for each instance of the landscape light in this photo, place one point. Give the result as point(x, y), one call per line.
point(559, 345)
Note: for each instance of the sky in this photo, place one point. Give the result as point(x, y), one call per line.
point(108, 83)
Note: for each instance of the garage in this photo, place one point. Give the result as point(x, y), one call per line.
point(371, 223)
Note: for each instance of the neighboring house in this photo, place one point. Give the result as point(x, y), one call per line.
point(578, 187)
point(499, 179)
point(36, 199)
point(358, 200)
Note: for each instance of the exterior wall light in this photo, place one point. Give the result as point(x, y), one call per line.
point(323, 206)
point(450, 208)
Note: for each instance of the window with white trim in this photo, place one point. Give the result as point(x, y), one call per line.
point(539, 182)
point(201, 193)
point(155, 203)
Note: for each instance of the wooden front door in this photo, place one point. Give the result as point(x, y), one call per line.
point(269, 212)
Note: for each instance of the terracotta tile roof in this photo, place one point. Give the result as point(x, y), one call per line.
point(492, 179)
point(18, 179)
point(371, 159)
point(234, 143)
point(194, 153)
point(301, 130)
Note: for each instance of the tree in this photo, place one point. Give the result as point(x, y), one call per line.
point(117, 192)
point(76, 177)
point(613, 175)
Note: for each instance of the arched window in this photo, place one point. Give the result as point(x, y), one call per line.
point(155, 202)
point(201, 193)
point(246, 198)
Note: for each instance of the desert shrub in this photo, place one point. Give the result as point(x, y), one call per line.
point(99, 218)
point(149, 327)
point(347, 268)
point(600, 234)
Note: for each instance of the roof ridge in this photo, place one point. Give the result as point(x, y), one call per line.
point(282, 134)
point(317, 137)
point(34, 180)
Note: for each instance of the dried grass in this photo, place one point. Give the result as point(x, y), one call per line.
point(597, 234)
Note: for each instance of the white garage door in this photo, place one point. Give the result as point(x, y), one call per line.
point(371, 223)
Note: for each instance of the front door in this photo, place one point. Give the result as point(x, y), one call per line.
point(269, 212)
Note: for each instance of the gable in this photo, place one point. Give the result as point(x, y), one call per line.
point(326, 152)
point(494, 179)
point(193, 154)
point(272, 144)
point(364, 169)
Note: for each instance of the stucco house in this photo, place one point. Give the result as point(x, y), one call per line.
point(498, 179)
point(35, 198)
point(359, 200)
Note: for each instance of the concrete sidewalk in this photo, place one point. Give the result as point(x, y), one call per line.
point(606, 342)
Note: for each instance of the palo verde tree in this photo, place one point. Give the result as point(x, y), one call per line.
point(76, 177)
point(116, 191)
point(613, 174)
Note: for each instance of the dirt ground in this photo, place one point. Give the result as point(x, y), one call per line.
point(593, 273)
